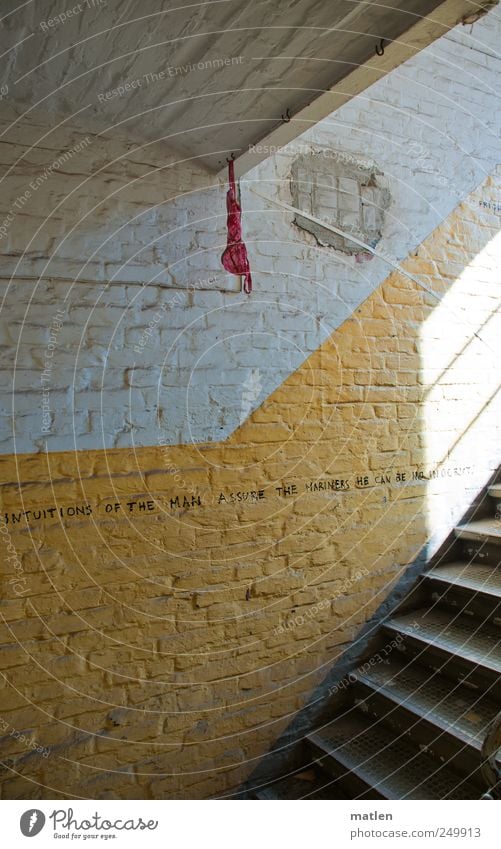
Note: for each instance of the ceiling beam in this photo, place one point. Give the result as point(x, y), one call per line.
point(446, 16)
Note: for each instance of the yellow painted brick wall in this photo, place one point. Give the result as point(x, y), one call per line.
point(159, 651)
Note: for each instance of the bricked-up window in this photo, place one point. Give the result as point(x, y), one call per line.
point(344, 190)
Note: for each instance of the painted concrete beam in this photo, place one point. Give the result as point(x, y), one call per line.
point(418, 36)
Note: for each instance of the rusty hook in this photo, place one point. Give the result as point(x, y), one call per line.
point(286, 118)
point(380, 48)
point(231, 159)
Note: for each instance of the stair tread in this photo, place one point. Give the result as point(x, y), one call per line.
point(392, 767)
point(473, 576)
point(295, 787)
point(462, 636)
point(495, 490)
point(455, 709)
point(481, 529)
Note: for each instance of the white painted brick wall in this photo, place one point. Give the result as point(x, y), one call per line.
point(116, 212)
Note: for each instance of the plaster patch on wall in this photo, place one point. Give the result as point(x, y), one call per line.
point(351, 195)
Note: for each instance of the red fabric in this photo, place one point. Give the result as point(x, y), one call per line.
point(234, 258)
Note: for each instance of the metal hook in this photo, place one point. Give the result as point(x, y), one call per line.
point(286, 118)
point(380, 48)
point(231, 159)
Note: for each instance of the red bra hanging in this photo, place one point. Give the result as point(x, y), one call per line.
point(234, 257)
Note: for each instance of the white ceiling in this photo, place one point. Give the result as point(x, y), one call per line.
point(284, 52)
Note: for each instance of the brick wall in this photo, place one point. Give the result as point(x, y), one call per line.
point(158, 639)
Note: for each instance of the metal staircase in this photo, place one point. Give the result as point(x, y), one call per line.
point(423, 720)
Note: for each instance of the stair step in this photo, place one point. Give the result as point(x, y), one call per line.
point(473, 646)
point(297, 787)
point(483, 530)
point(470, 576)
point(387, 766)
point(495, 490)
point(458, 711)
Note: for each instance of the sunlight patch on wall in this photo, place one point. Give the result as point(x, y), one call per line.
point(458, 342)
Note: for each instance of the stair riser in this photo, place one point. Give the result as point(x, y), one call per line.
point(468, 601)
point(495, 500)
point(296, 786)
point(350, 784)
point(463, 758)
point(453, 666)
point(481, 552)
